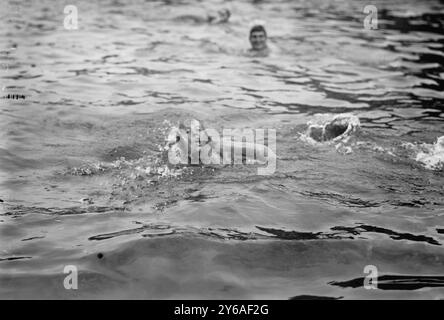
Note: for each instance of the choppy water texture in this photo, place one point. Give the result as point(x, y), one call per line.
point(83, 182)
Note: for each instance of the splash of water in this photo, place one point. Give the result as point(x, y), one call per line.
point(328, 129)
point(432, 156)
point(325, 128)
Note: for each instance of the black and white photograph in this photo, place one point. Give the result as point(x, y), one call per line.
point(250, 150)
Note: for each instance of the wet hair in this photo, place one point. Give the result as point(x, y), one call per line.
point(258, 28)
point(226, 12)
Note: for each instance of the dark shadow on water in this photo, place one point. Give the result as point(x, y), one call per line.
point(347, 233)
point(339, 233)
point(393, 234)
point(14, 258)
point(395, 282)
point(295, 235)
point(309, 297)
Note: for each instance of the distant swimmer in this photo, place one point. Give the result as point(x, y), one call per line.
point(258, 40)
point(221, 16)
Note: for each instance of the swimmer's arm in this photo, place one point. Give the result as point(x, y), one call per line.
point(194, 18)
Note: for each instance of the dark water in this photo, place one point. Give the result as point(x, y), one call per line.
point(83, 182)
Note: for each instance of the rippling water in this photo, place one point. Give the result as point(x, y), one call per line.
point(83, 182)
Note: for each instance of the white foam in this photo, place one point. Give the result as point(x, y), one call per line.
point(433, 155)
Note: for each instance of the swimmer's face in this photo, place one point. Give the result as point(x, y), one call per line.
point(258, 40)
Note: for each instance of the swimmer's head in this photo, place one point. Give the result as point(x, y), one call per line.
point(258, 37)
point(224, 15)
point(221, 16)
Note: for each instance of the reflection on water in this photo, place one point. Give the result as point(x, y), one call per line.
point(84, 181)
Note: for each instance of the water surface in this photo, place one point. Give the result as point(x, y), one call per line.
point(82, 180)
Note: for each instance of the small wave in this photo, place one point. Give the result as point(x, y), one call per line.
point(158, 230)
point(145, 167)
point(19, 210)
point(337, 198)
